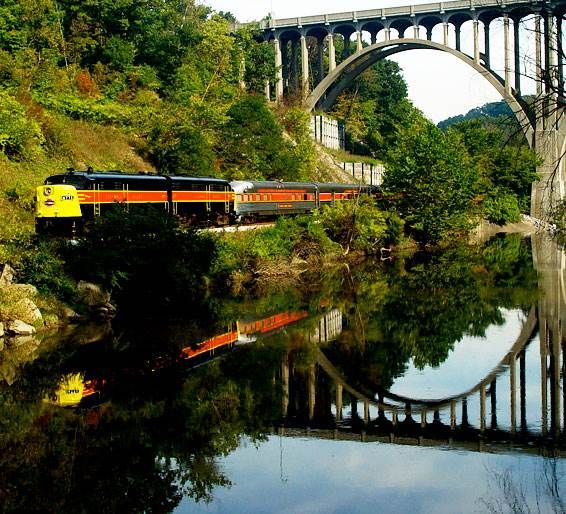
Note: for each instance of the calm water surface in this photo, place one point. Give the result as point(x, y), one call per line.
point(427, 384)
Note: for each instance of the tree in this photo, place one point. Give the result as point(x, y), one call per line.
point(430, 180)
point(506, 169)
point(253, 144)
point(374, 108)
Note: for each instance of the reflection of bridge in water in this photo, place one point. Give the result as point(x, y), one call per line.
point(496, 409)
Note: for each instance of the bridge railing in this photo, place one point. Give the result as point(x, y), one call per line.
point(433, 7)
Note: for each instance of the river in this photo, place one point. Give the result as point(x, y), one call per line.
point(429, 383)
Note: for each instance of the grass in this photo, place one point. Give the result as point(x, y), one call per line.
point(69, 143)
point(345, 156)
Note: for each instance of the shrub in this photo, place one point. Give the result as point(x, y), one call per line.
point(501, 207)
point(42, 266)
point(20, 136)
point(360, 225)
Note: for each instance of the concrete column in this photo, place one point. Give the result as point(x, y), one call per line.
point(507, 51)
point(279, 72)
point(513, 389)
point(304, 66)
point(338, 402)
point(493, 398)
point(366, 412)
point(445, 31)
point(331, 54)
point(550, 54)
point(476, 41)
point(346, 50)
point(516, 50)
point(482, 408)
point(387, 34)
point(312, 391)
point(560, 52)
point(543, 376)
point(453, 415)
point(373, 36)
point(268, 90)
point(555, 386)
point(465, 421)
point(523, 389)
point(486, 43)
point(359, 43)
point(285, 386)
point(294, 66)
point(555, 47)
point(320, 50)
point(538, 56)
point(551, 187)
point(458, 31)
point(284, 46)
point(416, 32)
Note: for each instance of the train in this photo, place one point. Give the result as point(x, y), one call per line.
point(67, 201)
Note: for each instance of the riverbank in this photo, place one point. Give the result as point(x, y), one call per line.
point(526, 226)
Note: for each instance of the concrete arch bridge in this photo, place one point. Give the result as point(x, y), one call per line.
point(307, 62)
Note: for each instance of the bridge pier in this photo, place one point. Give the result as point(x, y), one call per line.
point(550, 261)
point(550, 189)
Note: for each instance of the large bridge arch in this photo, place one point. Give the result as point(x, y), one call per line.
point(326, 92)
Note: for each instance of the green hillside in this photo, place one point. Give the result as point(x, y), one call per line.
point(135, 85)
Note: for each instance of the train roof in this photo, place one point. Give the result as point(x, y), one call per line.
point(118, 175)
point(240, 186)
point(209, 180)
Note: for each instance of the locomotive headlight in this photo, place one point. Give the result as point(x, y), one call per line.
point(47, 191)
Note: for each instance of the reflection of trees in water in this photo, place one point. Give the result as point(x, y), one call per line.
point(428, 303)
point(157, 440)
point(160, 436)
point(539, 491)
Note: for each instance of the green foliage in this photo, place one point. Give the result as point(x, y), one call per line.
point(20, 136)
point(300, 237)
point(145, 259)
point(431, 181)
point(558, 219)
point(87, 109)
point(181, 149)
point(506, 168)
point(258, 60)
point(500, 207)
point(495, 112)
point(41, 265)
point(118, 53)
point(254, 146)
point(360, 225)
point(374, 108)
point(302, 158)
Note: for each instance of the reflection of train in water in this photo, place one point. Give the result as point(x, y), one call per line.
point(68, 200)
point(76, 390)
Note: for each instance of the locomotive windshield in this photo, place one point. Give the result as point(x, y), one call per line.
point(72, 180)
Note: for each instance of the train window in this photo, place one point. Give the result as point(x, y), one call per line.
point(264, 198)
point(306, 197)
point(110, 185)
point(72, 180)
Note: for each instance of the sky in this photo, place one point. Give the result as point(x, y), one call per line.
point(440, 85)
